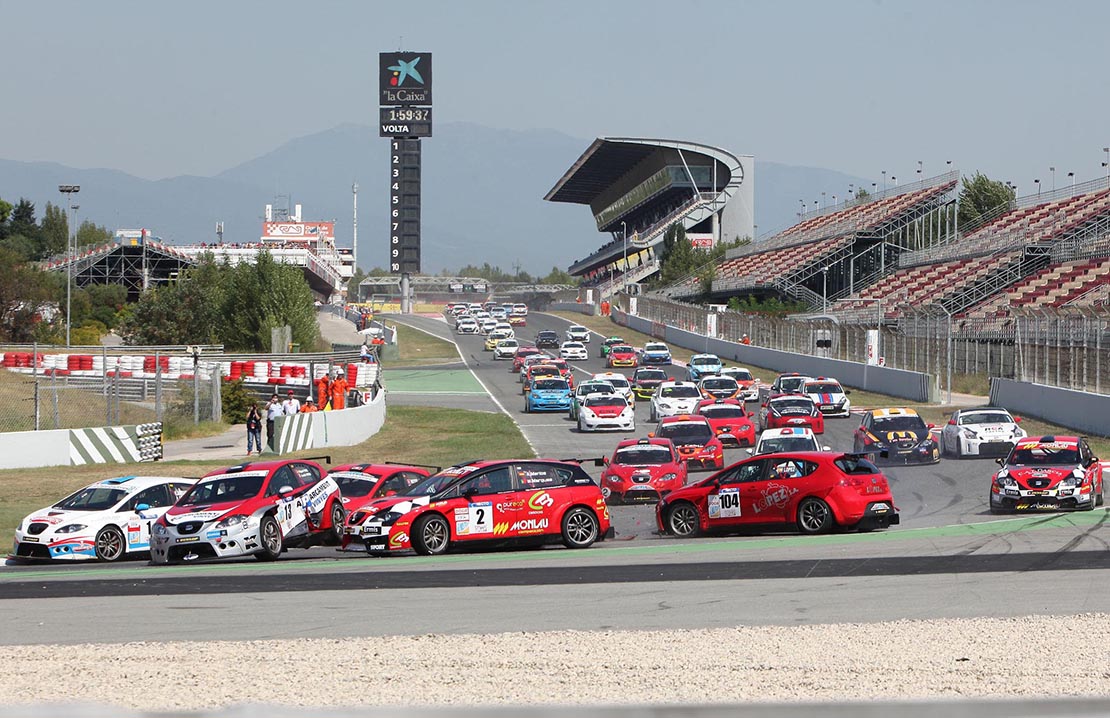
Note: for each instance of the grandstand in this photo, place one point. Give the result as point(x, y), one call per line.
point(832, 251)
point(134, 259)
point(637, 188)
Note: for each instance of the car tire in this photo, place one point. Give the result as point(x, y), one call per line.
point(993, 508)
point(580, 429)
point(683, 521)
point(338, 518)
point(652, 416)
point(109, 544)
point(431, 535)
point(270, 539)
point(580, 528)
point(814, 516)
point(527, 407)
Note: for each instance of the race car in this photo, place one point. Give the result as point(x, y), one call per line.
point(574, 351)
point(257, 508)
point(702, 365)
point(585, 389)
point(619, 381)
point(812, 491)
point(522, 352)
point(496, 336)
point(485, 326)
point(672, 398)
point(529, 362)
point(622, 355)
point(466, 325)
point(605, 411)
point(646, 380)
point(715, 386)
point(519, 310)
point(732, 425)
point(897, 435)
point(749, 385)
point(547, 393)
point(536, 371)
point(518, 320)
point(360, 484)
point(578, 333)
point(506, 349)
point(607, 344)
point(655, 353)
point(564, 368)
point(489, 504)
point(985, 431)
point(105, 521)
point(1048, 473)
point(791, 410)
point(547, 339)
point(642, 470)
point(777, 441)
point(790, 383)
point(694, 439)
point(831, 398)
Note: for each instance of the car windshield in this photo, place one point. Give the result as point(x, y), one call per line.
point(619, 382)
point(720, 383)
point(573, 345)
point(543, 370)
point(92, 499)
point(614, 340)
point(552, 384)
point(1048, 454)
point(578, 330)
point(527, 352)
point(355, 483)
point(792, 404)
point(622, 349)
point(226, 487)
point(823, 388)
point(787, 443)
point(679, 392)
point(792, 384)
point(705, 361)
point(986, 417)
point(686, 432)
point(900, 423)
point(546, 335)
point(740, 374)
point(723, 412)
point(438, 482)
point(655, 347)
point(606, 388)
point(612, 400)
point(643, 455)
point(651, 375)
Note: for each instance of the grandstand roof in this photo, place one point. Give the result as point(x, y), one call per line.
point(607, 159)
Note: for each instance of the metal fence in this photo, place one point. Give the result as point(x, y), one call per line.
point(1066, 347)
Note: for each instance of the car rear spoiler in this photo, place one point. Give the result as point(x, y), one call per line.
point(326, 459)
point(434, 469)
point(597, 460)
point(883, 454)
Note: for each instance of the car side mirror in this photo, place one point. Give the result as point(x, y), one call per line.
point(847, 392)
point(390, 493)
point(1093, 461)
point(285, 490)
point(141, 508)
point(651, 434)
point(826, 448)
point(1000, 461)
point(470, 491)
point(763, 406)
point(951, 422)
point(930, 426)
point(1017, 419)
point(605, 460)
point(750, 451)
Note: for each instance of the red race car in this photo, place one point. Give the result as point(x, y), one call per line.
point(359, 484)
point(642, 470)
point(812, 490)
point(484, 503)
point(694, 438)
point(622, 355)
point(730, 422)
point(563, 367)
point(789, 410)
point(1048, 473)
point(522, 353)
point(258, 508)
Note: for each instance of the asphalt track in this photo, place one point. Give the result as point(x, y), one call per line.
point(949, 558)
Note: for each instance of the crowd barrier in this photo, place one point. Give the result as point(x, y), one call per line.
point(1080, 410)
point(319, 429)
point(579, 307)
point(910, 385)
point(76, 447)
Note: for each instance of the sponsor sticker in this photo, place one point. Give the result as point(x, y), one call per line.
point(540, 500)
point(188, 539)
point(31, 539)
point(398, 540)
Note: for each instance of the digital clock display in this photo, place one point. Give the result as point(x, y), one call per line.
point(405, 121)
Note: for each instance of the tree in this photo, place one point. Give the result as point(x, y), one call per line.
point(26, 298)
point(558, 276)
point(678, 257)
point(979, 196)
point(55, 232)
point(92, 235)
point(353, 289)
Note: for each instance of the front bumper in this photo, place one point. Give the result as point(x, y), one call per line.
point(548, 404)
point(895, 456)
point(600, 424)
point(976, 447)
point(1041, 500)
point(657, 360)
point(621, 362)
point(575, 356)
point(737, 438)
point(835, 410)
point(69, 548)
point(207, 542)
point(702, 461)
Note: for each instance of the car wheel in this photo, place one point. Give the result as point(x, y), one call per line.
point(580, 528)
point(814, 516)
point(269, 535)
point(338, 516)
point(580, 429)
point(109, 544)
point(653, 417)
point(1099, 499)
point(682, 520)
point(994, 509)
point(958, 453)
point(431, 535)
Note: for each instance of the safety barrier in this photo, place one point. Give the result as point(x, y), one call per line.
point(1080, 410)
point(581, 308)
point(76, 447)
point(343, 427)
point(911, 385)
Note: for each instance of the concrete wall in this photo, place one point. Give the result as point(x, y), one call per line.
point(914, 386)
point(1083, 411)
point(581, 308)
point(321, 429)
point(32, 449)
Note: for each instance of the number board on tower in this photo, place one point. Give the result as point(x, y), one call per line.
point(404, 206)
point(405, 121)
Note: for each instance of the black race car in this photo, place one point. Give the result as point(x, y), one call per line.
point(546, 339)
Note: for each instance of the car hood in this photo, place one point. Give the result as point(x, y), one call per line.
point(201, 512)
point(826, 397)
point(992, 429)
point(605, 412)
point(1039, 477)
point(397, 504)
point(56, 518)
point(549, 393)
point(902, 437)
point(653, 471)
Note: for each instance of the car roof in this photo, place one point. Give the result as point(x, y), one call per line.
point(377, 468)
point(891, 412)
point(705, 356)
point(816, 379)
point(678, 383)
point(653, 440)
point(137, 483)
point(684, 419)
point(790, 431)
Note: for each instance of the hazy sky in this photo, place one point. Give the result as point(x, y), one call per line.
point(160, 89)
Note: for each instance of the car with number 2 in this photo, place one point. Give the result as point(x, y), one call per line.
point(259, 508)
point(105, 521)
point(490, 503)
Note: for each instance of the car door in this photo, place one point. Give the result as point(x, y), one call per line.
point(774, 494)
point(861, 430)
point(158, 498)
point(490, 506)
point(730, 503)
point(538, 499)
point(290, 507)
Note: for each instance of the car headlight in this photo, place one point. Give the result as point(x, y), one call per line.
point(969, 434)
point(1005, 480)
point(70, 528)
point(664, 405)
point(236, 520)
point(159, 530)
point(613, 479)
point(668, 477)
point(389, 517)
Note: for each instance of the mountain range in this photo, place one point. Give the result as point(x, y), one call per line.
point(482, 197)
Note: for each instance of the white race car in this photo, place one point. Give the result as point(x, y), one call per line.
point(606, 411)
point(574, 351)
point(829, 396)
point(103, 521)
point(578, 333)
point(749, 385)
point(619, 381)
point(773, 441)
point(980, 432)
point(673, 398)
point(505, 349)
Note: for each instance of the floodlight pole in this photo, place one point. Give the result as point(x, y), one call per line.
point(69, 190)
point(624, 232)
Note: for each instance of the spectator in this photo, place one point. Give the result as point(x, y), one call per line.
point(323, 392)
point(364, 353)
point(291, 405)
point(254, 430)
point(745, 339)
point(309, 406)
point(273, 411)
point(339, 390)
